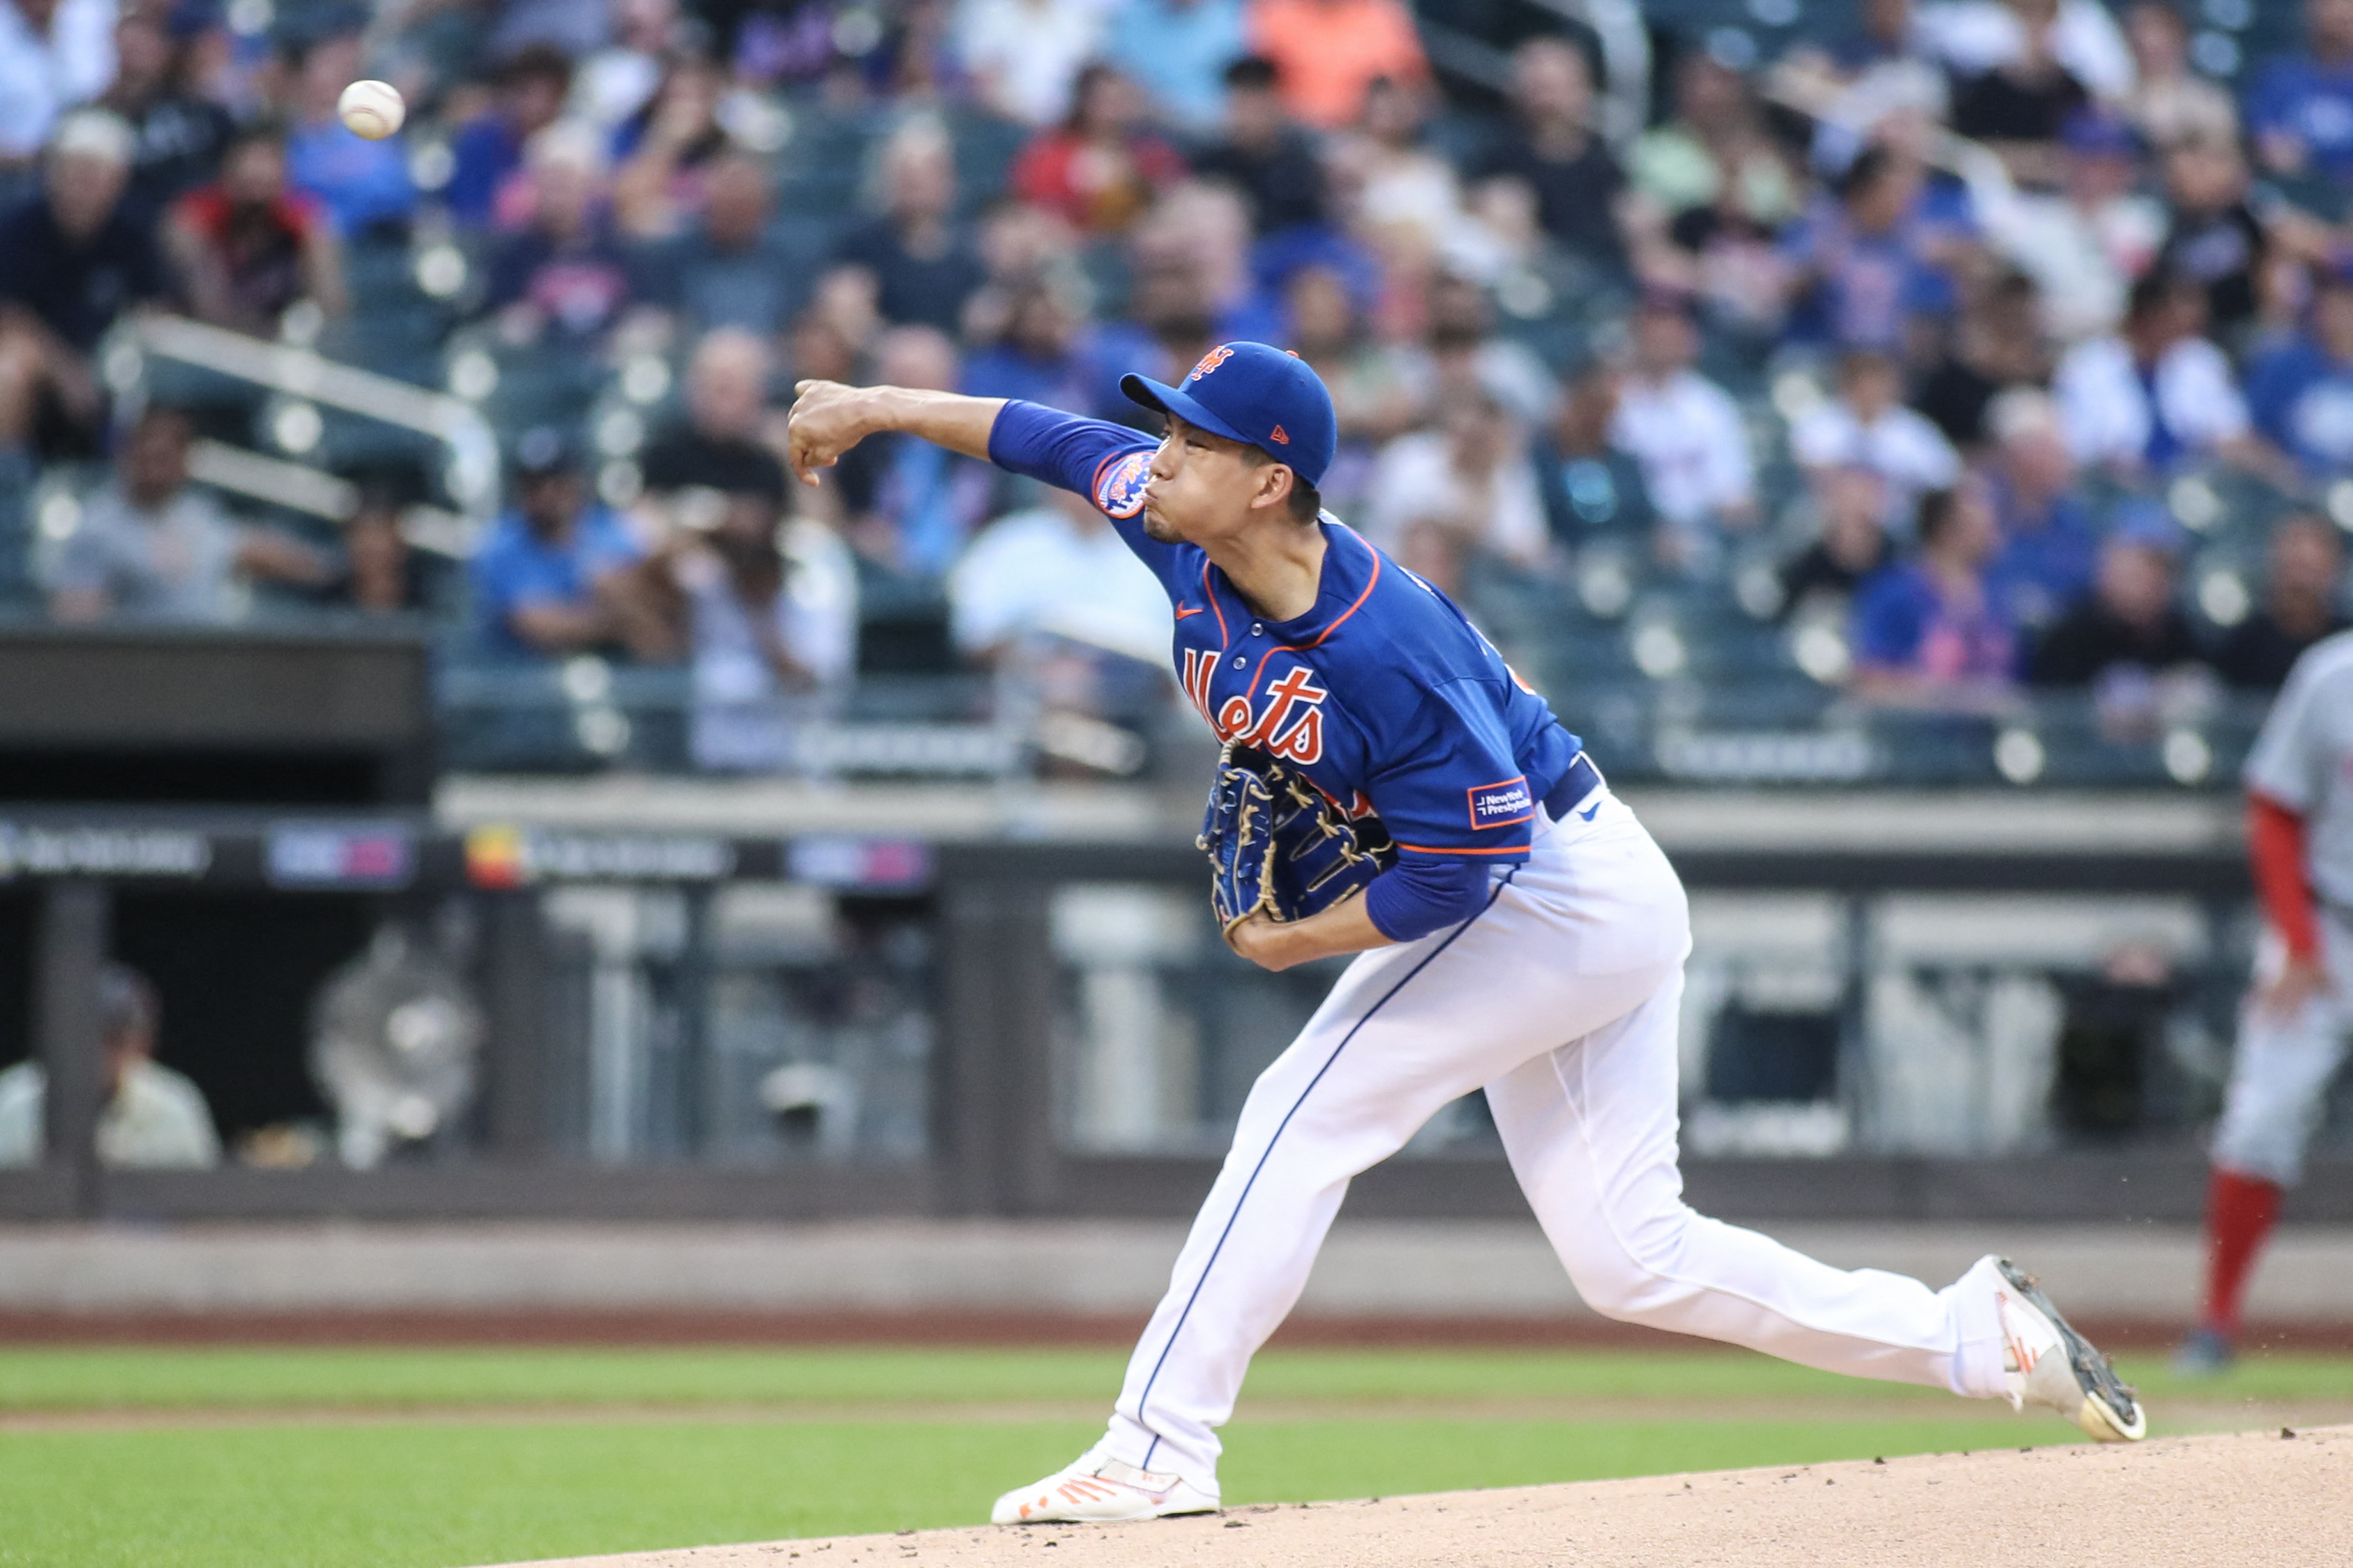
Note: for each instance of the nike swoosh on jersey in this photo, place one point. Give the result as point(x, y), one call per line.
point(1196, 610)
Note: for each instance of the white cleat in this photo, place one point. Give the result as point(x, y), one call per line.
point(2047, 1362)
point(1096, 1490)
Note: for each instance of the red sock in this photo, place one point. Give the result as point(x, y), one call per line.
point(2239, 1213)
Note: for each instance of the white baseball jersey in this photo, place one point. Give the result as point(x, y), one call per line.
point(2304, 760)
point(2286, 1062)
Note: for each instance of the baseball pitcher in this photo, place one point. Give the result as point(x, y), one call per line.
point(1391, 789)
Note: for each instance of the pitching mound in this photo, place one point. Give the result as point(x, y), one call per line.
point(2199, 1502)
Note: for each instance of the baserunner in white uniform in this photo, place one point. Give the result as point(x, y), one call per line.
point(1529, 941)
point(2298, 1014)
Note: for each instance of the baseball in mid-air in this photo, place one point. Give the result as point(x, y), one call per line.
point(372, 108)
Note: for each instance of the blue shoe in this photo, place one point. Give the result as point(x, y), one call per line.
point(2205, 1353)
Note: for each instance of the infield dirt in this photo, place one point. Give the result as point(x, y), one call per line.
point(2271, 1497)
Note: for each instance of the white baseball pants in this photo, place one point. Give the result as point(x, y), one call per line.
point(1560, 999)
point(2281, 1073)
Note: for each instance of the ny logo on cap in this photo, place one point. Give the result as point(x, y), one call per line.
point(1210, 362)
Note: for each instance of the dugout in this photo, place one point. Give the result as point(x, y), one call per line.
point(179, 725)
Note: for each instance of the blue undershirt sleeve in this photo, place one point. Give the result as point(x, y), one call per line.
point(1416, 897)
point(1061, 450)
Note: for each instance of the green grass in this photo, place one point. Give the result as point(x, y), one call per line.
point(334, 1492)
point(103, 1379)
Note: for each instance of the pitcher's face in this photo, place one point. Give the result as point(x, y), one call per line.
point(1206, 489)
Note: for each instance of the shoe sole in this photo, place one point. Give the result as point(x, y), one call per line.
point(2107, 1398)
point(1073, 1517)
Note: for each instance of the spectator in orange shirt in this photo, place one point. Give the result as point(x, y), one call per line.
point(1327, 52)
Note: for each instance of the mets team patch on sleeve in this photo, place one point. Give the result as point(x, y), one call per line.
point(1501, 805)
point(1119, 487)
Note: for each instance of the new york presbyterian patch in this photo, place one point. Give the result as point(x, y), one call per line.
point(1501, 805)
point(1119, 488)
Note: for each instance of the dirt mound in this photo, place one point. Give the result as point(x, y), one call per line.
point(2265, 1498)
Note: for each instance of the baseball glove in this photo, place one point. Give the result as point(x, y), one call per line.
point(1276, 844)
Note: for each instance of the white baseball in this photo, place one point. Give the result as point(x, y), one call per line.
point(372, 108)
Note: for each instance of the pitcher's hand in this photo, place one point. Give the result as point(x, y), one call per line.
point(827, 419)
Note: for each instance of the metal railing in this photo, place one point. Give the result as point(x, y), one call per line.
point(299, 373)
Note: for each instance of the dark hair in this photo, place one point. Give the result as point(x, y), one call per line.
point(1252, 71)
point(1305, 503)
point(126, 1001)
point(1091, 77)
point(383, 485)
point(2011, 286)
point(762, 481)
point(320, 25)
point(542, 61)
point(266, 130)
point(1937, 510)
point(1871, 165)
point(2154, 292)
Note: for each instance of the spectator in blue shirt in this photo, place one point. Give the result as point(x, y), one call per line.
point(2300, 107)
point(2049, 545)
point(912, 505)
point(1862, 274)
point(364, 185)
point(488, 149)
point(1039, 358)
point(1926, 632)
point(1178, 50)
point(2301, 394)
point(540, 578)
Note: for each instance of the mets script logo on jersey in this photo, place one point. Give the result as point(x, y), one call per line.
point(1210, 362)
point(1501, 805)
point(1289, 724)
point(1119, 489)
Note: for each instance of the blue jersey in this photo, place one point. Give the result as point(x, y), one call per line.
point(1384, 694)
point(2299, 97)
point(2303, 400)
point(516, 569)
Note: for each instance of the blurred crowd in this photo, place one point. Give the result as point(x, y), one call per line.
point(1997, 343)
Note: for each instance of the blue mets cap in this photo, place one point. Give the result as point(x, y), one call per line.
point(1257, 395)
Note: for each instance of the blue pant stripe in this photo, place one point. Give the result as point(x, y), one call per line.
point(1145, 1397)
